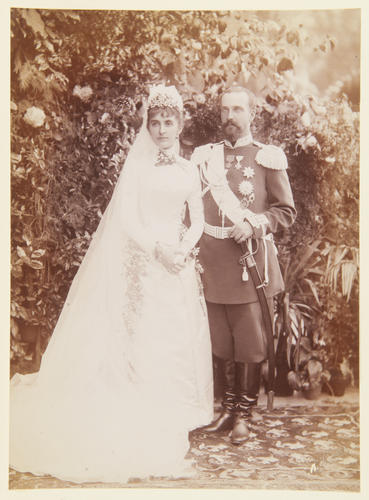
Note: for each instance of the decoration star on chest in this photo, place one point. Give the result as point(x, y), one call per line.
point(248, 172)
point(246, 187)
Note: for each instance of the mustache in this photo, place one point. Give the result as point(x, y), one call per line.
point(230, 122)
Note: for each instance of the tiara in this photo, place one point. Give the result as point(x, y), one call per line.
point(165, 97)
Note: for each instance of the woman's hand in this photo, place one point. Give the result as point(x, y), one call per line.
point(171, 257)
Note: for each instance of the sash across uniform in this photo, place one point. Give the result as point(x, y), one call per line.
point(246, 182)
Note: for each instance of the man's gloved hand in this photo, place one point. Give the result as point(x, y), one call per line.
point(241, 232)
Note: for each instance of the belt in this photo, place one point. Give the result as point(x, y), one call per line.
point(217, 231)
point(222, 233)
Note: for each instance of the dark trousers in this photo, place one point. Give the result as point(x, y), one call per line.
point(237, 331)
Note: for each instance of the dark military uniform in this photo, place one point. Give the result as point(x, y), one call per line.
point(256, 175)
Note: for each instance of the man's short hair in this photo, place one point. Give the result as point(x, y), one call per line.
point(239, 88)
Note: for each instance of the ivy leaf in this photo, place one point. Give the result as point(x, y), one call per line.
point(57, 136)
point(284, 64)
point(49, 46)
point(26, 74)
point(35, 264)
point(21, 253)
point(34, 21)
point(72, 15)
point(28, 236)
point(16, 158)
point(14, 328)
point(38, 253)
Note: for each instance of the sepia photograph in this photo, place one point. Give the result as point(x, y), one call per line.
point(184, 251)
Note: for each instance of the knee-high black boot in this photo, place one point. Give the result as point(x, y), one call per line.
point(225, 419)
point(247, 378)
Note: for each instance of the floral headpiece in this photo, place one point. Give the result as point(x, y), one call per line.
point(165, 97)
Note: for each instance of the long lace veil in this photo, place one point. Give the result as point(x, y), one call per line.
point(98, 315)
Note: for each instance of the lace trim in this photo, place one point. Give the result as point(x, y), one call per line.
point(135, 268)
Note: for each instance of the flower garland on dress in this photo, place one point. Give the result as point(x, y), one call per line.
point(134, 262)
point(193, 255)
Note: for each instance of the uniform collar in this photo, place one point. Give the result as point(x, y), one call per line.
point(242, 141)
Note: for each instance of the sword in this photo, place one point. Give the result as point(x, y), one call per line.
point(247, 261)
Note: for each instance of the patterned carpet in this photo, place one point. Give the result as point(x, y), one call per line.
point(293, 446)
point(310, 446)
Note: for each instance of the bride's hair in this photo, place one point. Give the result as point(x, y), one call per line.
point(164, 111)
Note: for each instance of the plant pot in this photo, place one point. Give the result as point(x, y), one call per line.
point(312, 393)
point(338, 384)
point(282, 387)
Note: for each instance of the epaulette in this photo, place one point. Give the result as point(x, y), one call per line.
point(270, 156)
point(209, 145)
point(204, 147)
point(200, 153)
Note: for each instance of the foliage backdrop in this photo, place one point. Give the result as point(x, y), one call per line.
point(78, 82)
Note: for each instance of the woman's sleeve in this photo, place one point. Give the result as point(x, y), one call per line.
point(196, 213)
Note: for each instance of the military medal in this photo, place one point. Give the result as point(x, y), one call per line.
point(246, 187)
point(229, 161)
point(238, 164)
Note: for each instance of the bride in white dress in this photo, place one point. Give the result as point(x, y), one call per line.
point(127, 372)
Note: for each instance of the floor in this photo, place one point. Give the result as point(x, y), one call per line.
point(300, 445)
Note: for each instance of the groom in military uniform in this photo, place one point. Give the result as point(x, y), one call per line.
point(247, 197)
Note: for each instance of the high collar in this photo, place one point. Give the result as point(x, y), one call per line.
point(171, 151)
point(242, 141)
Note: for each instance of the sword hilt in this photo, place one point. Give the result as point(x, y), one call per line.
point(248, 255)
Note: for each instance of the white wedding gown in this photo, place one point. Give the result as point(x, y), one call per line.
point(127, 372)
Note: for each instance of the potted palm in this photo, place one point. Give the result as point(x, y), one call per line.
point(309, 358)
point(299, 362)
point(341, 278)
